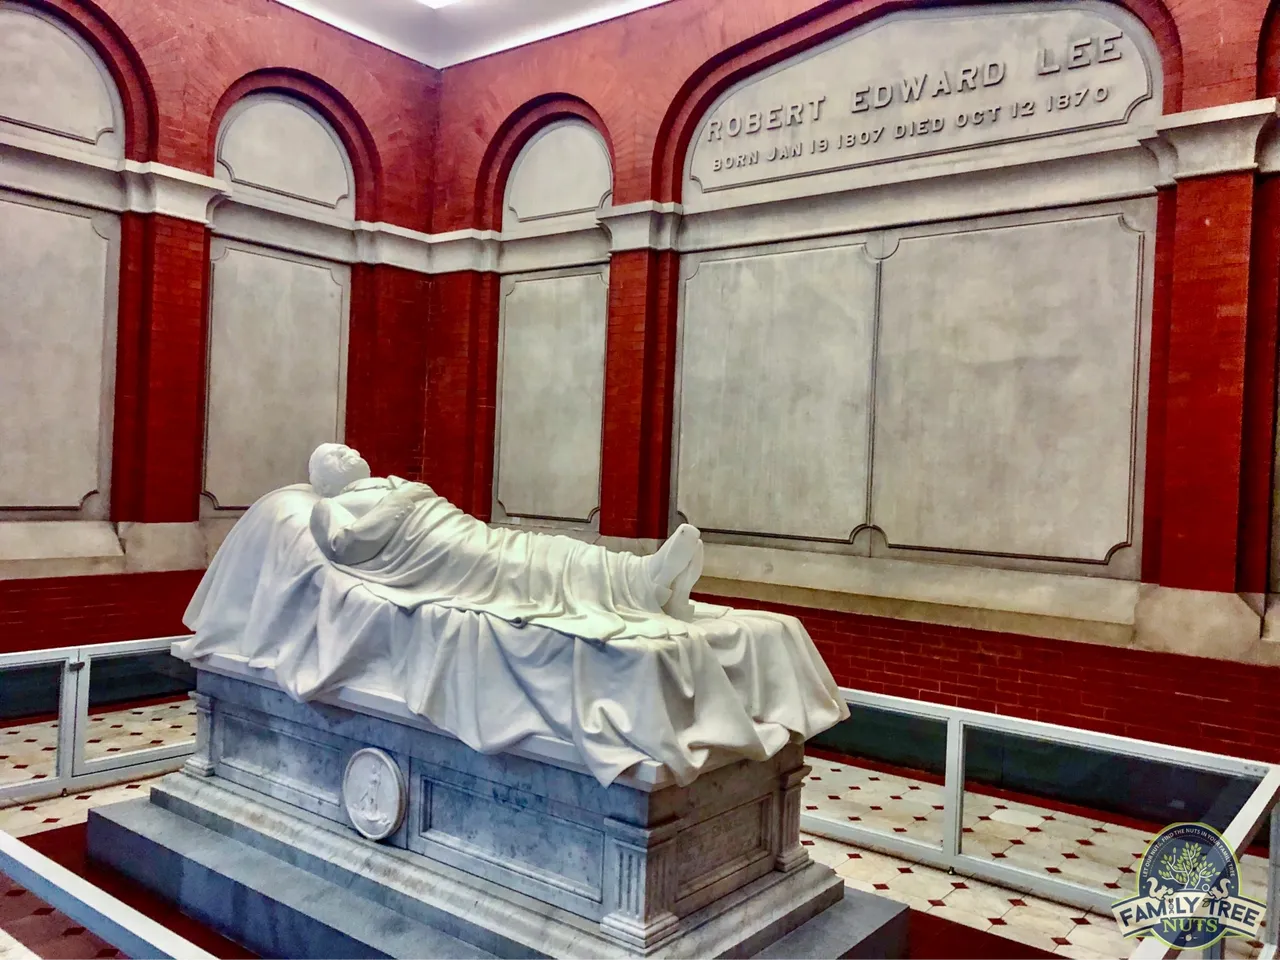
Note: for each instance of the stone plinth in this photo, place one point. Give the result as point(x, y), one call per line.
point(507, 855)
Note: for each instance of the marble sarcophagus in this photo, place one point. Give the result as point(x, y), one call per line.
point(517, 854)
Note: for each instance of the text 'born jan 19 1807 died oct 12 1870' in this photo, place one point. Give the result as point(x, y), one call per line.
point(832, 109)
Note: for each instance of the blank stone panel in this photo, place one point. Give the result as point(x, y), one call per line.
point(1005, 391)
point(552, 395)
point(774, 388)
point(276, 370)
point(50, 82)
point(281, 146)
point(53, 353)
point(563, 170)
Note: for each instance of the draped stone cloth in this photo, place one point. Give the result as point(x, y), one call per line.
point(437, 554)
point(503, 637)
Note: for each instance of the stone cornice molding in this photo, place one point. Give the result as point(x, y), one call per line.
point(1213, 140)
point(646, 225)
point(386, 243)
point(1237, 137)
point(119, 186)
point(171, 191)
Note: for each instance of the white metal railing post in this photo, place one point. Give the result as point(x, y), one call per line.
point(1269, 936)
point(77, 716)
point(953, 789)
point(68, 696)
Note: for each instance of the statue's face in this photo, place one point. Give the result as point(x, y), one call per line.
point(334, 466)
point(352, 465)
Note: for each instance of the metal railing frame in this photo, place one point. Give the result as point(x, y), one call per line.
point(949, 856)
point(71, 770)
point(138, 936)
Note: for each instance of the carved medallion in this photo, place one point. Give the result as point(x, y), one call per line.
point(373, 793)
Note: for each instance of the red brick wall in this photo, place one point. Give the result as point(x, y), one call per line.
point(646, 107)
point(462, 364)
point(432, 151)
point(1258, 433)
point(1205, 390)
point(75, 611)
point(387, 367)
point(626, 357)
point(639, 387)
point(159, 425)
point(179, 67)
point(1211, 398)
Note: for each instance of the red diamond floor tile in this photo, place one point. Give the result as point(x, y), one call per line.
point(44, 931)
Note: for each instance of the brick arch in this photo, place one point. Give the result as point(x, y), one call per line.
point(136, 92)
point(764, 50)
point(511, 137)
point(332, 106)
point(1269, 52)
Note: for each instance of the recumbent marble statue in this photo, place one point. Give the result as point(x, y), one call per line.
point(400, 534)
point(497, 634)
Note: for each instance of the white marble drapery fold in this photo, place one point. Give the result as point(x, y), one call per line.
point(738, 682)
point(412, 548)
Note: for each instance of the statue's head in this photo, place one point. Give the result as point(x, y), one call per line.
point(334, 466)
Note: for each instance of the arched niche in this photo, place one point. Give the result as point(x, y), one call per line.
point(54, 87)
point(59, 279)
point(915, 293)
point(553, 317)
point(563, 170)
point(280, 295)
point(279, 147)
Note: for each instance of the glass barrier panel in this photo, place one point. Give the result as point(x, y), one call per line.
point(138, 702)
point(880, 770)
point(1085, 815)
point(29, 700)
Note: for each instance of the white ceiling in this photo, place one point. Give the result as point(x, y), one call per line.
point(444, 32)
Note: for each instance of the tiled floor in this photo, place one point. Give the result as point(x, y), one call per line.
point(1070, 847)
point(29, 927)
point(124, 731)
point(28, 752)
point(1086, 851)
point(21, 820)
point(11, 949)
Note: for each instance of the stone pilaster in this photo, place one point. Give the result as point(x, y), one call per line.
point(642, 875)
point(791, 855)
point(200, 763)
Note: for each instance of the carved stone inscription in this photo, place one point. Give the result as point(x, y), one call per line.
point(918, 84)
